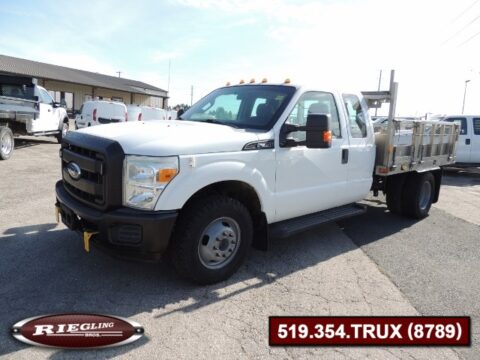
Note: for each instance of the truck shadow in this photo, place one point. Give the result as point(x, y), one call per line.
point(462, 178)
point(45, 270)
point(376, 224)
point(25, 142)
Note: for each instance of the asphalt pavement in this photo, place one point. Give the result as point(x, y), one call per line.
point(43, 269)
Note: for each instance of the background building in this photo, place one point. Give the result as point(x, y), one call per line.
point(73, 87)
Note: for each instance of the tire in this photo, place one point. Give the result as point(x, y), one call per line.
point(418, 194)
point(394, 193)
point(7, 143)
point(211, 239)
point(63, 131)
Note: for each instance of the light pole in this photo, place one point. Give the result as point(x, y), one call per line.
point(465, 95)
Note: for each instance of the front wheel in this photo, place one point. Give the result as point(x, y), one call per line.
point(7, 143)
point(211, 239)
point(63, 131)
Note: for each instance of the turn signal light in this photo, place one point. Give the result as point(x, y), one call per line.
point(264, 80)
point(228, 83)
point(242, 82)
point(252, 81)
point(165, 175)
point(327, 136)
point(287, 81)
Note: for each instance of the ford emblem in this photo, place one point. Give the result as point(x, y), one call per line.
point(74, 170)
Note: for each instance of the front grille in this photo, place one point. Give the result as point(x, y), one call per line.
point(95, 186)
point(90, 185)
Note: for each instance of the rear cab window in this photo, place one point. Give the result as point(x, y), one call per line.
point(476, 126)
point(462, 121)
point(356, 118)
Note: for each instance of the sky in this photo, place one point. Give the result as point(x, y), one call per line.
point(434, 46)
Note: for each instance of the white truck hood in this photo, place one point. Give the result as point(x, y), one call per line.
point(173, 137)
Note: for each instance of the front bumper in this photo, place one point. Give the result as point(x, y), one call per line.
point(125, 232)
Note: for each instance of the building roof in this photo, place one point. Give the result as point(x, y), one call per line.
point(18, 66)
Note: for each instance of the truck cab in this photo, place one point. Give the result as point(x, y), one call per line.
point(245, 164)
point(468, 148)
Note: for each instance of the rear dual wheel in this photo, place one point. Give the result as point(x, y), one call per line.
point(411, 195)
point(418, 194)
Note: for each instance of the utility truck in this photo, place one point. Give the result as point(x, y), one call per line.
point(246, 164)
point(27, 109)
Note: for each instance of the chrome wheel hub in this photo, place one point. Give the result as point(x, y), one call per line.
point(219, 243)
point(7, 144)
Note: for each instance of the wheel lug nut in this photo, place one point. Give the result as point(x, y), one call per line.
point(215, 248)
point(224, 255)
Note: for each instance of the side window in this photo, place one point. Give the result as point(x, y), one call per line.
point(356, 116)
point(45, 97)
point(476, 126)
point(463, 124)
point(319, 102)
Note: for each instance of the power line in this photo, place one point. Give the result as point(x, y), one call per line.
point(464, 11)
point(469, 39)
point(463, 28)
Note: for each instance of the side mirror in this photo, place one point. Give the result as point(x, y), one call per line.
point(56, 104)
point(318, 133)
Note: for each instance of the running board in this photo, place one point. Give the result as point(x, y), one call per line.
point(291, 227)
point(44, 133)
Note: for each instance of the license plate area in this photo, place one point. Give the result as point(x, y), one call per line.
point(69, 218)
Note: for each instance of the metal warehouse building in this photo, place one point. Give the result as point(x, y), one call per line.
point(73, 87)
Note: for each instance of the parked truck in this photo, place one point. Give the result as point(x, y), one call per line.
point(244, 165)
point(27, 109)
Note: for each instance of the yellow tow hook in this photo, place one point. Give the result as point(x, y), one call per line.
point(87, 235)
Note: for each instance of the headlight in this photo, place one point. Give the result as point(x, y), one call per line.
point(144, 179)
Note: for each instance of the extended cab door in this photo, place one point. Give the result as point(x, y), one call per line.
point(464, 144)
point(311, 180)
point(362, 146)
point(46, 120)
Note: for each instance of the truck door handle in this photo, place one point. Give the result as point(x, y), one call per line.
point(344, 156)
point(467, 141)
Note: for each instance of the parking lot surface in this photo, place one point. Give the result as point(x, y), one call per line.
point(391, 267)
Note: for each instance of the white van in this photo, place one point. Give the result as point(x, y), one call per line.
point(145, 113)
point(468, 146)
point(99, 112)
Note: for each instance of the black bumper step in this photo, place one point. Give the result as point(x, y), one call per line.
point(291, 227)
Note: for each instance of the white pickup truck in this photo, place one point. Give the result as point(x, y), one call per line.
point(27, 109)
point(245, 164)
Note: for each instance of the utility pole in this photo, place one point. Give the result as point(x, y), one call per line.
point(191, 95)
point(465, 95)
point(168, 85)
point(379, 84)
point(119, 73)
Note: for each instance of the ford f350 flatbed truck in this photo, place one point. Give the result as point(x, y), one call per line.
point(27, 109)
point(245, 164)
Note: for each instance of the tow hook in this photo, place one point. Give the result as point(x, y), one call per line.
point(87, 235)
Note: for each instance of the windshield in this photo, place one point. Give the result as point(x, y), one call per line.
point(244, 106)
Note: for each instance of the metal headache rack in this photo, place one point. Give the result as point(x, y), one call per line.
point(410, 145)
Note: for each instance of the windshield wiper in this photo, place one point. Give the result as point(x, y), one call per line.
point(219, 122)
